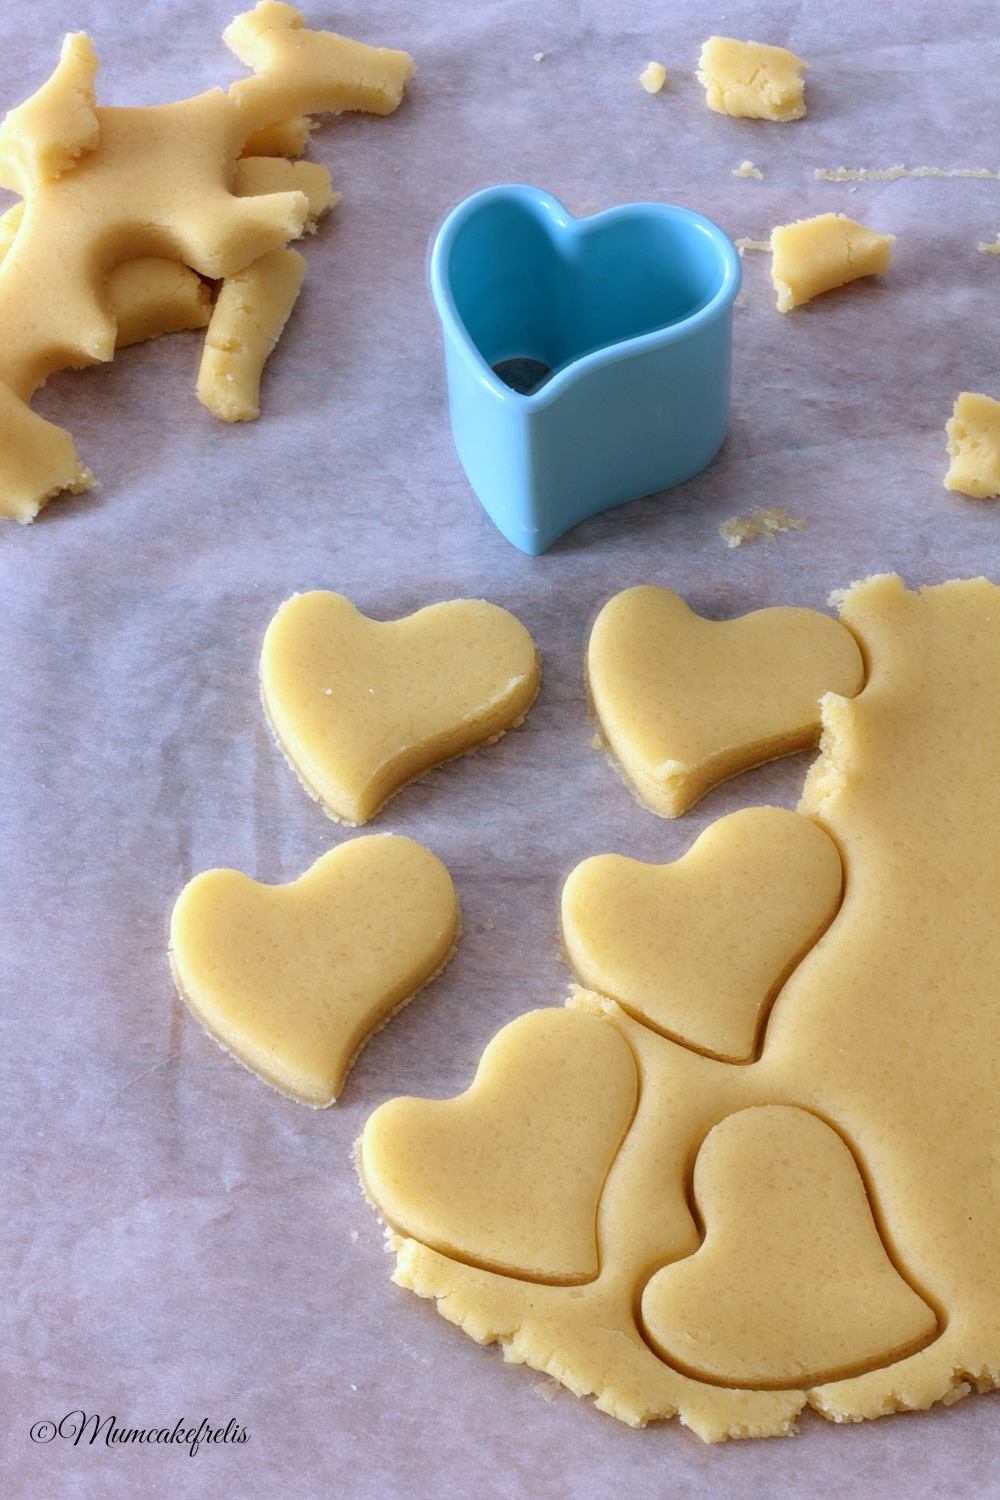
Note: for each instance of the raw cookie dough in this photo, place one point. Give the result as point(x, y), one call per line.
point(816, 255)
point(752, 81)
point(293, 979)
point(685, 703)
point(526, 1203)
point(103, 186)
point(820, 1226)
point(360, 707)
point(653, 77)
point(973, 433)
point(649, 937)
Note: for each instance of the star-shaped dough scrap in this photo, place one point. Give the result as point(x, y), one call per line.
point(112, 198)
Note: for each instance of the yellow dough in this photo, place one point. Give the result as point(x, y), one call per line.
point(293, 979)
point(973, 433)
point(817, 255)
point(360, 707)
point(252, 308)
point(818, 1226)
point(685, 702)
point(650, 936)
point(514, 1189)
point(103, 186)
point(836, 1305)
point(752, 81)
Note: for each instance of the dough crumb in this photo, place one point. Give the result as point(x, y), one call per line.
point(767, 521)
point(989, 247)
point(537, 56)
point(653, 77)
point(893, 174)
point(747, 169)
point(744, 244)
point(973, 434)
point(547, 1389)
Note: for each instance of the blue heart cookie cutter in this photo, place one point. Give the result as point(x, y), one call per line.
point(588, 360)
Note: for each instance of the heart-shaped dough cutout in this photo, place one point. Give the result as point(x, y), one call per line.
point(685, 702)
point(293, 979)
point(360, 707)
point(509, 1174)
point(792, 1285)
point(699, 948)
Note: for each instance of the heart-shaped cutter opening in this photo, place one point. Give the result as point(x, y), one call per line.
point(626, 319)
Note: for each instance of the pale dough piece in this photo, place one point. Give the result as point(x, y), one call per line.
point(653, 77)
point(752, 81)
point(157, 182)
point(250, 312)
point(685, 702)
point(698, 949)
point(816, 255)
point(293, 979)
point(841, 1243)
point(360, 707)
point(973, 433)
point(514, 1189)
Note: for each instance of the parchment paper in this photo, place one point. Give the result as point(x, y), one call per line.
point(180, 1242)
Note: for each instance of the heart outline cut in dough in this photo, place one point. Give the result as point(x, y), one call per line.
point(717, 931)
point(631, 311)
point(361, 707)
point(792, 1286)
point(684, 702)
point(508, 1175)
point(293, 979)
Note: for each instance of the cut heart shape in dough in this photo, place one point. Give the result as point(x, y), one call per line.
point(685, 702)
point(293, 979)
point(792, 1285)
point(509, 1174)
point(360, 707)
point(700, 947)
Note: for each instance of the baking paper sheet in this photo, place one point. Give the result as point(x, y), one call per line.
point(180, 1242)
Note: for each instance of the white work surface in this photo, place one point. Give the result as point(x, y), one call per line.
point(179, 1240)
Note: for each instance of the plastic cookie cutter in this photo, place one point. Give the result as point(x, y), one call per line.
point(588, 360)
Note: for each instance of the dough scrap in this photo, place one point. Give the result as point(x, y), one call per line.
point(684, 702)
point(817, 255)
point(250, 312)
point(768, 521)
point(293, 979)
point(103, 186)
point(360, 707)
point(839, 1196)
point(653, 77)
point(752, 81)
point(973, 433)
